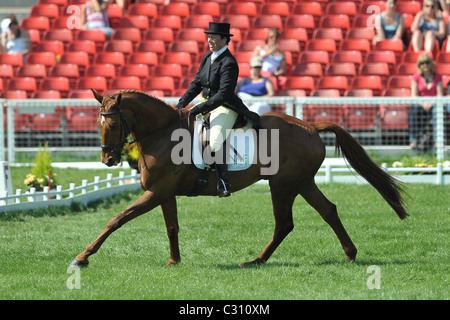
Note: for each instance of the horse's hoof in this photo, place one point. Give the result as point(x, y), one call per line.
point(255, 262)
point(78, 263)
point(172, 263)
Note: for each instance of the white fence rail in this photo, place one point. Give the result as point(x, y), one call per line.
point(85, 193)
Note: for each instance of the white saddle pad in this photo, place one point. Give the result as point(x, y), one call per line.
point(240, 153)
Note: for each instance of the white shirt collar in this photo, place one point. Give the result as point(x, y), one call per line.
point(218, 53)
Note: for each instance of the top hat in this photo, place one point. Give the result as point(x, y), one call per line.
point(219, 28)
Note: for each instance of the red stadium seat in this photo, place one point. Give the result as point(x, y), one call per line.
point(240, 21)
point(310, 8)
point(115, 15)
point(55, 46)
point(181, 58)
point(142, 9)
point(328, 45)
point(63, 35)
point(383, 56)
point(13, 59)
point(346, 69)
point(156, 46)
point(268, 21)
point(334, 82)
point(395, 45)
point(48, 59)
point(198, 21)
point(123, 46)
point(36, 71)
point(279, 8)
point(115, 58)
point(249, 45)
point(81, 59)
point(358, 117)
point(163, 34)
point(190, 46)
point(299, 34)
point(96, 35)
point(179, 9)
point(248, 9)
point(130, 34)
point(45, 122)
point(321, 57)
point(406, 68)
point(142, 71)
point(47, 94)
point(6, 73)
point(60, 84)
point(299, 82)
point(380, 69)
point(163, 83)
point(305, 21)
point(394, 117)
point(368, 82)
point(398, 81)
point(397, 92)
point(37, 23)
point(106, 70)
point(353, 56)
point(411, 7)
point(359, 93)
point(257, 34)
point(97, 83)
point(372, 6)
point(311, 69)
point(442, 68)
point(172, 22)
point(362, 45)
point(68, 70)
point(329, 33)
point(139, 22)
point(209, 8)
point(87, 46)
point(150, 59)
point(412, 57)
point(125, 82)
point(170, 70)
point(360, 33)
point(27, 84)
point(341, 21)
point(193, 34)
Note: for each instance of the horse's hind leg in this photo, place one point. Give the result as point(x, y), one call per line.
point(328, 211)
point(282, 202)
point(169, 209)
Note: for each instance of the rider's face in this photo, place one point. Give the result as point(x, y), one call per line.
point(216, 42)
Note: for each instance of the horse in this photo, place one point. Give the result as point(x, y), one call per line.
point(151, 122)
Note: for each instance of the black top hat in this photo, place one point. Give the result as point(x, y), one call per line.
point(219, 28)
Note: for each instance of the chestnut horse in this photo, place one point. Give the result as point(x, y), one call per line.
point(301, 152)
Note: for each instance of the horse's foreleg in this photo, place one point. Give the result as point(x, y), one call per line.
point(328, 211)
point(282, 209)
point(169, 209)
point(144, 204)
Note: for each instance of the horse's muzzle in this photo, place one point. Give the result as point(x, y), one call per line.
point(111, 159)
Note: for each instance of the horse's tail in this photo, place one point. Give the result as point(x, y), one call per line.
point(389, 187)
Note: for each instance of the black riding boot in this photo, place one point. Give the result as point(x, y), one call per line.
point(223, 187)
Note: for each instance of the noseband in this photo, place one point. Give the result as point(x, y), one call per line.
point(125, 125)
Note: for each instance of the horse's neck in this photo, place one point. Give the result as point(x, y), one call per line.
point(151, 117)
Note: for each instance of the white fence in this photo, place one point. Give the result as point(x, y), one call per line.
point(85, 193)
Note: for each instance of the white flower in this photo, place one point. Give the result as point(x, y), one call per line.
point(397, 164)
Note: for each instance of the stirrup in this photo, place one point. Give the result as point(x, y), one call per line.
point(223, 189)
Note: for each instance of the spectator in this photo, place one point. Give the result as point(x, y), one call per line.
point(256, 85)
point(427, 27)
point(426, 82)
point(389, 24)
point(14, 39)
point(94, 15)
point(274, 60)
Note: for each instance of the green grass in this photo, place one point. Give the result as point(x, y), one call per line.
point(218, 234)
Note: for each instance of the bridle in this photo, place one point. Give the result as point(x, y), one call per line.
point(127, 131)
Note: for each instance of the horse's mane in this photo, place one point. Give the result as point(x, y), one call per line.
point(144, 95)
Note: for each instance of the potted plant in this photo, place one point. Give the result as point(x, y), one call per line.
point(42, 173)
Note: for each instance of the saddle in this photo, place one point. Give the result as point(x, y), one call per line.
point(239, 148)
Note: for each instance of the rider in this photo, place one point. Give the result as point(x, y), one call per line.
point(216, 79)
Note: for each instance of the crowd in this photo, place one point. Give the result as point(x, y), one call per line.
point(268, 64)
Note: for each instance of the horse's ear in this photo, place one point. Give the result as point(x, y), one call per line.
point(97, 96)
point(118, 98)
